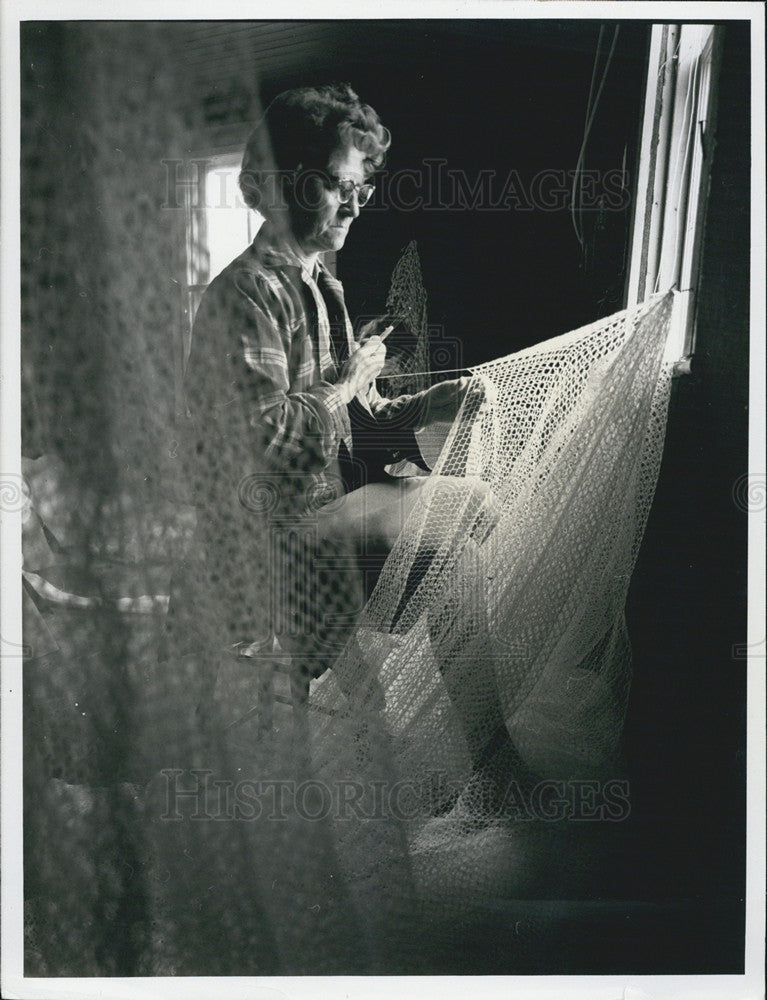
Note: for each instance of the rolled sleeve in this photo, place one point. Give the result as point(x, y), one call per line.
point(389, 425)
point(404, 412)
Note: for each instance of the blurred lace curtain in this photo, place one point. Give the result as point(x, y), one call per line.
point(112, 887)
point(103, 297)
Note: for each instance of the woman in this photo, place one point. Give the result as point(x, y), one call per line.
point(290, 435)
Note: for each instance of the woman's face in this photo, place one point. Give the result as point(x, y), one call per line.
point(320, 219)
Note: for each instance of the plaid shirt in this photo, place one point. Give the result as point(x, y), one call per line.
point(270, 319)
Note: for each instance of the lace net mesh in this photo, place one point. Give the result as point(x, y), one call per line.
point(501, 606)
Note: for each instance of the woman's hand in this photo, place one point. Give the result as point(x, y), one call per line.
point(443, 401)
point(381, 327)
point(361, 368)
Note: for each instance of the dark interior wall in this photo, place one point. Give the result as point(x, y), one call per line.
point(687, 606)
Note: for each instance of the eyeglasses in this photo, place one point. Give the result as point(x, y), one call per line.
point(346, 188)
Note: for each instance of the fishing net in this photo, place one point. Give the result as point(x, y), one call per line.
point(204, 792)
point(500, 612)
point(408, 361)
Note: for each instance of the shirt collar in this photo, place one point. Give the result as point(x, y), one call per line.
point(273, 252)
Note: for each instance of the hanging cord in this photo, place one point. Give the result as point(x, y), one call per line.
point(591, 110)
point(576, 176)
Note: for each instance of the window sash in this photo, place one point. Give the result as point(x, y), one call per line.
point(674, 166)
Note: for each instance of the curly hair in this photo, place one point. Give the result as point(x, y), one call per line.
point(302, 127)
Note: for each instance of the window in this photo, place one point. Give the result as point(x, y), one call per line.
point(674, 163)
point(219, 225)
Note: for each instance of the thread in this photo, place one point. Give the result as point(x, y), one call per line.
point(440, 371)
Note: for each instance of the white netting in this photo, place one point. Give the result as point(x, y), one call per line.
point(501, 606)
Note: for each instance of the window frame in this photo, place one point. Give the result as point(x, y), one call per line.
point(675, 155)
